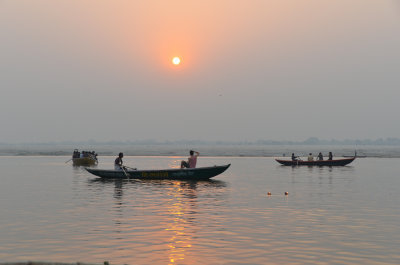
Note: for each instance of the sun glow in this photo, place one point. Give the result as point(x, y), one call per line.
point(176, 61)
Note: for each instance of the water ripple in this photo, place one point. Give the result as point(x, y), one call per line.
point(331, 215)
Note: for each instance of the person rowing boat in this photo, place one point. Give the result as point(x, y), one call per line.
point(118, 162)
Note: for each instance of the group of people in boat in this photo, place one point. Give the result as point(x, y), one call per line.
point(310, 157)
point(77, 154)
point(190, 163)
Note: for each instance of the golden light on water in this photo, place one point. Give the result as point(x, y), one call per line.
point(180, 236)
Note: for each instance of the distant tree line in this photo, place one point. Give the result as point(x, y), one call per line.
point(317, 141)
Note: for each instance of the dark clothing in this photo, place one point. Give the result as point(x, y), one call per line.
point(185, 164)
point(118, 161)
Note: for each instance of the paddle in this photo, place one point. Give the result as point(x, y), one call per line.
point(131, 168)
point(126, 175)
point(68, 160)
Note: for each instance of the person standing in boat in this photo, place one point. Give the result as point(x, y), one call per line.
point(192, 160)
point(330, 156)
point(118, 162)
point(320, 156)
point(310, 157)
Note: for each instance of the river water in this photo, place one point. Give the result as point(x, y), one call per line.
point(52, 211)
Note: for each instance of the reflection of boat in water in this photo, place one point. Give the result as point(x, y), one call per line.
point(84, 158)
point(186, 184)
point(334, 162)
point(201, 173)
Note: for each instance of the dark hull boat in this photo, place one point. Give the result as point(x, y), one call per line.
point(201, 173)
point(84, 158)
point(84, 161)
point(335, 162)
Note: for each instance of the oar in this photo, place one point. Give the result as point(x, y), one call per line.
point(68, 160)
point(126, 175)
point(131, 168)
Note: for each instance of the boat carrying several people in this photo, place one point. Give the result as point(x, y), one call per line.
point(201, 173)
point(84, 158)
point(333, 162)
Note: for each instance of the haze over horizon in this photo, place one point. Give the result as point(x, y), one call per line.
point(250, 70)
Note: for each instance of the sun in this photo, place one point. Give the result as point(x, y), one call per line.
point(176, 61)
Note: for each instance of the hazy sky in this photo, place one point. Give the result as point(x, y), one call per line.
point(271, 69)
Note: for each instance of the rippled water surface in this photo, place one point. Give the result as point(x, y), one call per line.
point(51, 211)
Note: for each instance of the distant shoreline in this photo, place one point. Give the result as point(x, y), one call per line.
point(389, 141)
point(205, 150)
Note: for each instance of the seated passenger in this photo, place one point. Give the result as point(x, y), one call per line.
point(192, 160)
point(320, 156)
point(294, 158)
point(310, 157)
point(330, 156)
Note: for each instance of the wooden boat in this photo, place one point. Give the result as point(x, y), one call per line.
point(201, 173)
point(84, 161)
point(334, 162)
point(84, 158)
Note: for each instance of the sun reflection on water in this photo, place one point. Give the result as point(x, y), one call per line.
point(157, 218)
point(180, 209)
